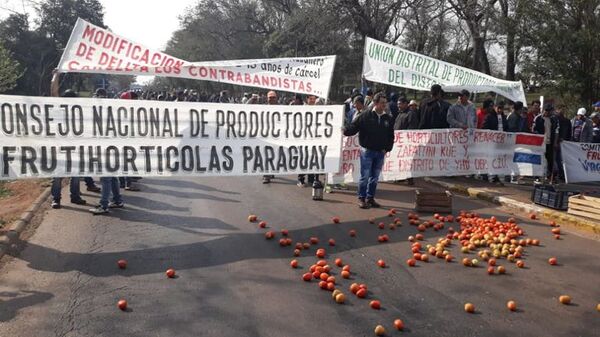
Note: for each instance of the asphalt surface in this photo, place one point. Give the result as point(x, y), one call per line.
point(233, 282)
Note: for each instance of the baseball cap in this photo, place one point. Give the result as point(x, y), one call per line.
point(271, 94)
point(581, 112)
point(597, 104)
point(413, 102)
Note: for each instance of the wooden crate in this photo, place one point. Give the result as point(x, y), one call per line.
point(434, 202)
point(586, 206)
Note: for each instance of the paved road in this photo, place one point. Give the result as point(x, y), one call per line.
point(233, 282)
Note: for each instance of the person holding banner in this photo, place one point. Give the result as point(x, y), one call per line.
point(434, 110)
point(595, 117)
point(375, 130)
point(462, 115)
point(310, 100)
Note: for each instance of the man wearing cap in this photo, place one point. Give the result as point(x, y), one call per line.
point(545, 124)
point(434, 110)
point(375, 130)
point(271, 100)
point(462, 115)
point(596, 107)
point(581, 128)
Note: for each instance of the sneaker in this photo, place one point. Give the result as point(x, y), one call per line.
point(55, 204)
point(78, 202)
point(99, 210)
point(116, 205)
point(363, 204)
point(373, 203)
point(266, 180)
point(94, 188)
point(301, 184)
point(132, 188)
point(410, 181)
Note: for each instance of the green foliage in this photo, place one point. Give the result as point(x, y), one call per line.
point(9, 70)
point(38, 51)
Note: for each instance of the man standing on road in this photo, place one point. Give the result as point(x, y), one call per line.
point(271, 100)
point(434, 110)
point(462, 115)
point(545, 124)
point(581, 127)
point(375, 130)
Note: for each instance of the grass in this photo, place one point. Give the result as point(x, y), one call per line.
point(4, 192)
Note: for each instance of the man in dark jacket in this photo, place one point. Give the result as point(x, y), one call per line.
point(545, 124)
point(434, 110)
point(514, 121)
point(393, 105)
point(563, 133)
point(375, 130)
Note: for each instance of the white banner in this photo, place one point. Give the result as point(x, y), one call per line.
point(450, 152)
point(58, 137)
point(92, 49)
point(385, 63)
point(581, 161)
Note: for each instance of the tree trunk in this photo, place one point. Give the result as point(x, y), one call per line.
point(511, 61)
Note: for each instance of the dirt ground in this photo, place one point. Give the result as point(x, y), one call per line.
point(17, 196)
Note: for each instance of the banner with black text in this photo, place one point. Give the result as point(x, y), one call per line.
point(60, 137)
point(92, 49)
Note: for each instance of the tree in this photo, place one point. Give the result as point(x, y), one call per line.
point(476, 14)
point(9, 70)
point(564, 50)
point(57, 17)
point(36, 54)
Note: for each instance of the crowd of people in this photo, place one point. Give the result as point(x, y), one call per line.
point(375, 117)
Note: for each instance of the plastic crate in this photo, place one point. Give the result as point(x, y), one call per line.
point(546, 195)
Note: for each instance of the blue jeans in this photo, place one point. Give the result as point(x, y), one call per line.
point(110, 185)
point(371, 163)
point(73, 187)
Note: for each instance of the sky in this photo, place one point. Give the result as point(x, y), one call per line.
point(149, 22)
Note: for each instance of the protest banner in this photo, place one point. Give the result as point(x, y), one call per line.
point(450, 152)
point(581, 161)
point(388, 64)
point(59, 137)
point(92, 49)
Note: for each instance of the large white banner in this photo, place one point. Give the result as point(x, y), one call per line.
point(581, 161)
point(58, 137)
point(450, 152)
point(385, 63)
point(92, 49)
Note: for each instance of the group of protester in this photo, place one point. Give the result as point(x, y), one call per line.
point(375, 118)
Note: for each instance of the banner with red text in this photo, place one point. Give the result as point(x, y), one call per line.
point(92, 49)
point(581, 161)
point(450, 152)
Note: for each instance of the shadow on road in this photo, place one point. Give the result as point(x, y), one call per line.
point(185, 184)
point(18, 301)
point(184, 194)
